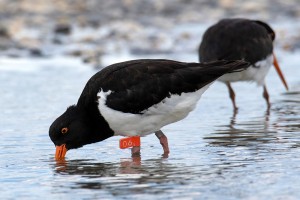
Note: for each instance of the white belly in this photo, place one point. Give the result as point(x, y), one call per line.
point(154, 118)
point(256, 74)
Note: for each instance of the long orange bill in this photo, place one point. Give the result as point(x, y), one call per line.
point(279, 72)
point(60, 152)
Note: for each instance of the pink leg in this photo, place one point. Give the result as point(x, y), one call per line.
point(266, 96)
point(232, 96)
point(163, 141)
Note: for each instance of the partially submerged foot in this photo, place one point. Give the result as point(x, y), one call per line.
point(266, 96)
point(163, 141)
point(136, 151)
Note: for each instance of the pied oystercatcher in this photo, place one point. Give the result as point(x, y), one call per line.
point(241, 39)
point(135, 98)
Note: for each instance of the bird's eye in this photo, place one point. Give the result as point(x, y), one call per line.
point(64, 130)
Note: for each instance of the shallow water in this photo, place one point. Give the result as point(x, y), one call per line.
point(215, 153)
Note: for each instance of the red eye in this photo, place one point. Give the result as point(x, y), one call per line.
point(64, 130)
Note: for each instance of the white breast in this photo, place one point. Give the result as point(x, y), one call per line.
point(170, 110)
point(256, 74)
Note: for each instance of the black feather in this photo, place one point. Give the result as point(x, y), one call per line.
point(237, 39)
point(137, 85)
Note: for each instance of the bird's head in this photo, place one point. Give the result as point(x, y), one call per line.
point(270, 31)
point(70, 131)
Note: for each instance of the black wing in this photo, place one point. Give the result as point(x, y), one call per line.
point(237, 39)
point(139, 84)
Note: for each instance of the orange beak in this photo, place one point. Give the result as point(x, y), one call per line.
point(279, 72)
point(60, 152)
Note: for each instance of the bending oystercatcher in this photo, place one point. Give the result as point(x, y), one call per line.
point(241, 39)
point(135, 98)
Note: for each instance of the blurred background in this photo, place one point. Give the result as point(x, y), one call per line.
point(92, 29)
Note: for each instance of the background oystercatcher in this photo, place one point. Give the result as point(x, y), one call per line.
point(135, 98)
point(241, 39)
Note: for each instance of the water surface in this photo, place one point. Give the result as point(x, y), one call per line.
point(215, 153)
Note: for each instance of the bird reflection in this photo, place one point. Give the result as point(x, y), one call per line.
point(235, 112)
point(235, 133)
point(288, 112)
point(84, 167)
point(123, 175)
point(92, 169)
point(233, 118)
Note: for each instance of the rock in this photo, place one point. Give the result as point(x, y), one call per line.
point(75, 53)
point(63, 29)
point(148, 51)
point(56, 41)
point(93, 57)
point(226, 3)
point(35, 52)
point(144, 27)
point(4, 33)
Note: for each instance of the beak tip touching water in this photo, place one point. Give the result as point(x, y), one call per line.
point(60, 152)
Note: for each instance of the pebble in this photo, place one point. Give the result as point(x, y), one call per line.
point(135, 26)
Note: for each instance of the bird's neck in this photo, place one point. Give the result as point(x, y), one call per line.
point(100, 129)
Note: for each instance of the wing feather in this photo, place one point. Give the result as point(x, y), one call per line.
point(137, 85)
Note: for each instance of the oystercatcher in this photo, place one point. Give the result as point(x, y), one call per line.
point(135, 98)
point(241, 39)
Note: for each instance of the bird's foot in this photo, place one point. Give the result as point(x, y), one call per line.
point(165, 155)
point(136, 151)
point(235, 109)
point(164, 142)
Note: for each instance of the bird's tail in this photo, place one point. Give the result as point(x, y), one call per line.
point(224, 66)
point(202, 74)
